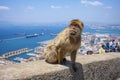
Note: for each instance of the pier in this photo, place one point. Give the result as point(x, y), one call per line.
point(12, 53)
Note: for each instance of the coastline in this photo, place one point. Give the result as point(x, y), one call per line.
point(90, 42)
point(92, 37)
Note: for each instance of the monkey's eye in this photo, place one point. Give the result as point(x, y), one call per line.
point(76, 25)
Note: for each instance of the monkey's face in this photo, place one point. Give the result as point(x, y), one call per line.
point(74, 30)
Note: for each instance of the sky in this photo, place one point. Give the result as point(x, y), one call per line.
point(51, 11)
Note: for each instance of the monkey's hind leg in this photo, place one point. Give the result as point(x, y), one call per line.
point(51, 57)
point(60, 54)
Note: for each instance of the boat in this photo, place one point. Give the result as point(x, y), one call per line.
point(52, 34)
point(30, 36)
point(41, 34)
point(31, 54)
point(18, 59)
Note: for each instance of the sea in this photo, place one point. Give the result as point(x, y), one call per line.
point(13, 37)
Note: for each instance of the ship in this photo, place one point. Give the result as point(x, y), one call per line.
point(33, 35)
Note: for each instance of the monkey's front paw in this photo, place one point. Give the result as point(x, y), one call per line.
point(74, 68)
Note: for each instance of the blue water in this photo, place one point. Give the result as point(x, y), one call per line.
point(10, 41)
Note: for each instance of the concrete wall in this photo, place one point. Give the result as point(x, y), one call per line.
point(90, 67)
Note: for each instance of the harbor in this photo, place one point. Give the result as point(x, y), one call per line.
point(19, 47)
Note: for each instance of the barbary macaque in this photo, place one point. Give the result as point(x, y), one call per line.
point(67, 41)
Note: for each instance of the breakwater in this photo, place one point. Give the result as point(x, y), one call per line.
point(12, 53)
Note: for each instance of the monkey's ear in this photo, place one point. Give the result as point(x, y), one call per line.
point(82, 25)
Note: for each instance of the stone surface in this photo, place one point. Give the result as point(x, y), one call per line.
point(90, 67)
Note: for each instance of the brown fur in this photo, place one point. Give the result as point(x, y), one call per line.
point(67, 41)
